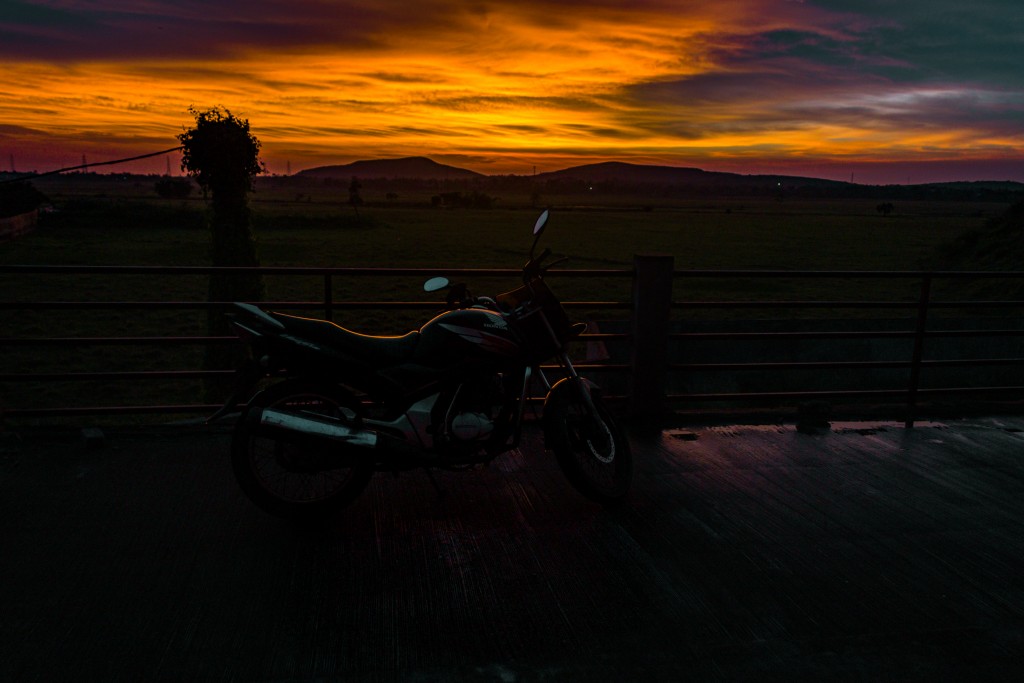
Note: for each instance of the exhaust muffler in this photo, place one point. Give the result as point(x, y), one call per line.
point(310, 425)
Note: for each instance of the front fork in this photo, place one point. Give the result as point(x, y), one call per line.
point(573, 376)
point(582, 386)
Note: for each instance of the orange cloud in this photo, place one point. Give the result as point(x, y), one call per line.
point(506, 85)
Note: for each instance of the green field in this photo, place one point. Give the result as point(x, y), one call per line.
point(103, 222)
point(737, 234)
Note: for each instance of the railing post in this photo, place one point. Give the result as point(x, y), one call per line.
point(915, 361)
point(328, 297)
point(652, 307)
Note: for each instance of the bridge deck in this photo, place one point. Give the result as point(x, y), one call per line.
point(864, 553)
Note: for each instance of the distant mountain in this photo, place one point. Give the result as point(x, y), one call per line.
point(625, 174)
point(405, 168)
point(967, 185)
point(638, 174)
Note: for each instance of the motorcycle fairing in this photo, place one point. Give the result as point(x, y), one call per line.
point(487, 341)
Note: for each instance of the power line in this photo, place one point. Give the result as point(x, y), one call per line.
point(84, 165)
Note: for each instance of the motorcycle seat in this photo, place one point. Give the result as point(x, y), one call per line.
point(377, 351)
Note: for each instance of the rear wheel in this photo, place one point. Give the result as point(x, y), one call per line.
point(297, 478)
point(592, 450)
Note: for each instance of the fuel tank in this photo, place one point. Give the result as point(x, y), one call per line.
point(453, 336)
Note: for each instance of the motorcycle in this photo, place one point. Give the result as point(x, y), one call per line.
point(450, 396)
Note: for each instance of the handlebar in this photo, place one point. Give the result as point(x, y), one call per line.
point(534, 263)
point(534, 267)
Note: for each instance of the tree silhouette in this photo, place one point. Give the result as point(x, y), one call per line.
point(223, 156)
point(19, 197)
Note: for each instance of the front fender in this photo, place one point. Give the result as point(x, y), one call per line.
point(562, 392)
point(558, 392)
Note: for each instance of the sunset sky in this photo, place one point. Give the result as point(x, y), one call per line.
point(881, 91)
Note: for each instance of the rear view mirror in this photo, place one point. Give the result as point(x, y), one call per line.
point(541, 222)
point(435, 284)
point(538, 228)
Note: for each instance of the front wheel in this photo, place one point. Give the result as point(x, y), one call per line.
point(297, 479)
point(592, 450)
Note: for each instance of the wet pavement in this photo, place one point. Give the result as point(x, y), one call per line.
point(866, 552)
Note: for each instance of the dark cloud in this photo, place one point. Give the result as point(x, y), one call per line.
point(163, 29)
point(913, 66)
point(943, 40)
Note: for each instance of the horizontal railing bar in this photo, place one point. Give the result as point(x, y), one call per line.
point(974, 333)
point(877, 334)
point(791, 395)
point(848, 274)
point(727, 305)
point(593, 367)
point(195, 305)
point(855, 393)
point(706, 336)
point(598, 336)
point(581, 272)
point(944, 391)
point(843, 365)
point(717, 336)
point(305, 270)
point(971, 362)
point(976, 304)
point(115, 375)
point(810, 365)
point(388, 305)
point(110, 410)
point(203, 305)
point(207, 374)
point(93, 341)
point(123, 341)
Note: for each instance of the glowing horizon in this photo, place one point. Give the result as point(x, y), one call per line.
point(802, 88)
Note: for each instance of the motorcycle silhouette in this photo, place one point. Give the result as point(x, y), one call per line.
point(450, 396)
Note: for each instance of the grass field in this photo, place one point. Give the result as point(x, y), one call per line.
point(111, 224)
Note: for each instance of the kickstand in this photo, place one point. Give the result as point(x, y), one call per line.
point(441, 493)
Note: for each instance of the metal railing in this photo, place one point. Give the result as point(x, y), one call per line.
point(649, 333)
point(917, 332)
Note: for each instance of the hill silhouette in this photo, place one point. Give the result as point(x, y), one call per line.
point(420, 168)
point(621, 177)
point(641, 174)
point(423, 168)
